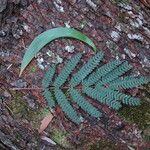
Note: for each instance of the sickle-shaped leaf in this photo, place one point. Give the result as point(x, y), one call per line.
point(44, 38)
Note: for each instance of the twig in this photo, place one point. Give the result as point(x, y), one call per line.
point(17, 89)
point(40, 88)
point(9, 109)
point(51, 87)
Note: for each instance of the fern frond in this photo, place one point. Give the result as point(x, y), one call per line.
point(119, 96)
point(121, 78)
point(102, 96)
point(65, 105)
point(49, 98)
point(120, 70)
point(47, 80)
point(126, 99)
point(129, 82)
point(102, 71)
point(132, 101)
point(102, 85)
point(86, 69)
point(86, 106)
point(69, 67)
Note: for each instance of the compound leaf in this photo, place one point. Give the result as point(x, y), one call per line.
point(85, 105)
point(66, 106)
point(47, 80)
point(69, 67)
point(86, 69)
point(49, 98)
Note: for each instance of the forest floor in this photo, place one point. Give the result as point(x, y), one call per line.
point(119, 28)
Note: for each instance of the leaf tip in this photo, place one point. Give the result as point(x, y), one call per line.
point(94, 47)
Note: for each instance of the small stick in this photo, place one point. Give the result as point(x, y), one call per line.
point(17, 89)
point(51, 87)
point(34, 88)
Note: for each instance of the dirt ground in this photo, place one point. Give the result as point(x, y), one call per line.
point(119, 28)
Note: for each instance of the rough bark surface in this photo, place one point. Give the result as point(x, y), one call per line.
point(121, 29)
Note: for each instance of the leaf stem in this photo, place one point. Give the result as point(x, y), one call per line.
point(38, 88)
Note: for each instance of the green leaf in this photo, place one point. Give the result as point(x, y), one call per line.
point(69, 67)
point(86, 69)
point(44, 38)
point(47, 80)
point(85, 105)
point(49, 98)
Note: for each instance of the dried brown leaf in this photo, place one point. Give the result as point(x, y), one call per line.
point(45, 122)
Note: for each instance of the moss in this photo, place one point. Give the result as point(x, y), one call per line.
point(139, 115)
point(122, 18)
point(103, 145)
point(147, 90)
point(146, 134)
point(33, 69)
point(21, 110)
point(60, 137)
